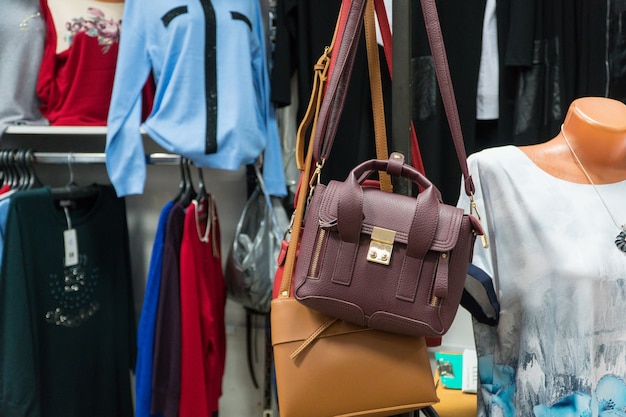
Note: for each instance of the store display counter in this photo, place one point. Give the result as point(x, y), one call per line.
point(455, 403)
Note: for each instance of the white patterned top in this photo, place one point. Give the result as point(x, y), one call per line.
point(560, 346)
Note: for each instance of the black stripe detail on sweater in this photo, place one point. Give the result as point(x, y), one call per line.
point(241, 16)
point(176, 11)
point(210, 75)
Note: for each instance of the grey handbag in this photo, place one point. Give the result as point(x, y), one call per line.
point(251, 262)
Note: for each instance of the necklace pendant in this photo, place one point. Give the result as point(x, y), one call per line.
point(620, 241)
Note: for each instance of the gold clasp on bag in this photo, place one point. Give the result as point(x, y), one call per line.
point(315, 179)
point(474, 208)
point(381, 245)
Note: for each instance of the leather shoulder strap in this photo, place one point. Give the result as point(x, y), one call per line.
point(376, 91)
point(334, 97)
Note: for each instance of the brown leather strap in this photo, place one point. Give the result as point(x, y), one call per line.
point(438, 50)
point(297, 220)
point(311, 117)
point(320, 73)
point(334, 98)
point(376, 89)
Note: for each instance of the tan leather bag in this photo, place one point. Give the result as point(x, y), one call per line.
point(346, 370)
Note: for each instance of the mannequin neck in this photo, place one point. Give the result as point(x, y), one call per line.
point(596, 129)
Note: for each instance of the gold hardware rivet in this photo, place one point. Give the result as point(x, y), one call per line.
point(384, 257)
point(284, 293)
point(444, 255)
point(372, 254)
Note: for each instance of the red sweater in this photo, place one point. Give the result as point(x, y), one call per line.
point(202, 299)
point(75, 85)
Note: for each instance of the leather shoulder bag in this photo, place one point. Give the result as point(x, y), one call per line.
point(327, 367)
point(385, 260)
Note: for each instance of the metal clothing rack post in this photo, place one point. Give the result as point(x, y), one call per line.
point(401, 92)
point(401, 88)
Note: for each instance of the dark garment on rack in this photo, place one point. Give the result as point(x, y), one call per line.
point(167, 345)
point(554, 52)
point(67, 333)
point(591, 18)
point(550, 54)
point(147, 320)
point(303, 29)
point(538, 68)
point(616, 50)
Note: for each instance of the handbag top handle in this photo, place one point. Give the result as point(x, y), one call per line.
point(334, 98)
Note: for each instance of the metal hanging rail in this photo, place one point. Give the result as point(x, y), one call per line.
point(98, 158)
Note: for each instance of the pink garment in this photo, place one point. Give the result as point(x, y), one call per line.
point(202, 299)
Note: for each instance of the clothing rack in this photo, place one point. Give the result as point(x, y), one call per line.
point(157, 158)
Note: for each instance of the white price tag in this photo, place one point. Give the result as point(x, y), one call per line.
point(71, 247)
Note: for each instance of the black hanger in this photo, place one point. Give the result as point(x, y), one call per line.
point(73, 191)
point(188, 191)
point(19, 159)
point(10, 173)
point(202, 194)
point(202, 205)
point(183, 181)
point(18, 175)
point(4, 170)
point(33, 180)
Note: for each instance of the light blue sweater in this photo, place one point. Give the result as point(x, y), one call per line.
point(211, 103)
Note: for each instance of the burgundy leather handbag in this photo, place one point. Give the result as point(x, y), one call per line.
point(382, 260)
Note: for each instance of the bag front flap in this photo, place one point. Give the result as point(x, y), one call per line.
point(292, 322)
point(394, 212)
